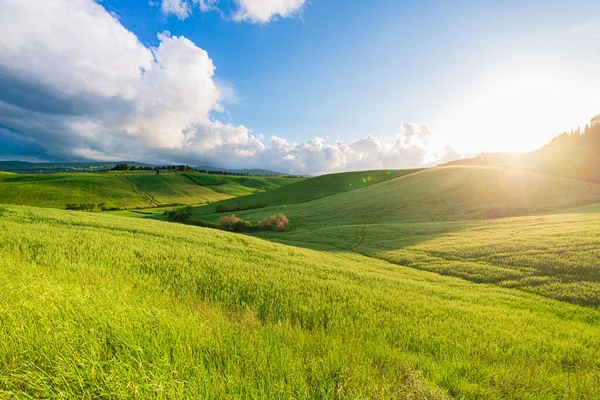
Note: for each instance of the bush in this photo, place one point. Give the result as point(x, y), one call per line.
point(235, 224)
point(229, 222)
point(180, 214)
point(277, 223)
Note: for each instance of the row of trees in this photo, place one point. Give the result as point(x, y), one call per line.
point(183, 168)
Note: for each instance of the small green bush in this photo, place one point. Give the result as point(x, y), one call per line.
point(180, 214)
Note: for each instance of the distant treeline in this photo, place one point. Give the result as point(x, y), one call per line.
point(187, 168)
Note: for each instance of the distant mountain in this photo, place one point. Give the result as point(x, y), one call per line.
point(573, 155)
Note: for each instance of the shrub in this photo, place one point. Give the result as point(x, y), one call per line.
point(277, 223)
point(180, 214)
point(229, 222)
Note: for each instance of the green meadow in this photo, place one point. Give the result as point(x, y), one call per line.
point(454, 282)
point(96, 305)
point(311, 189)
point(125, 190)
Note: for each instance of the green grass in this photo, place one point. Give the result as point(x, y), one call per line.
point(58, 190)
point(403, 221)
point(552, 255)
point(439, 194)
point(171, 187)
point(313, 188)
point(94, 305)
point(264, 182)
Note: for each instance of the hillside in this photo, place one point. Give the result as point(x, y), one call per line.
point(58, 190)
point(448, 220)
point(169, 188)
point(311, 189)
point(126, 189)
point(439, 194)
point(104, 306)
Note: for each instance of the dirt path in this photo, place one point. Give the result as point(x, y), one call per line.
point(139, 191)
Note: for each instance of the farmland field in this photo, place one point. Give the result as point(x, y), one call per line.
point(110, 306)
point(58, 190)
point(169, 187)
point(314, 188)
point(119, 189)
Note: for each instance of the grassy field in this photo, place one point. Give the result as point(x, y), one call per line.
point(439, 194)
point(171, 187)
point(436, 220)
point(313, 188)
point(264, 182)
point(552, 255)
point(58, 190)
point(94, 305)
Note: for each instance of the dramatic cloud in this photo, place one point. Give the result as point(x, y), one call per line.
point(255, 11)
point(77, 85)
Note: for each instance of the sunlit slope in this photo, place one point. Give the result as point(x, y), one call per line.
point(312, 188)
point(557, 256)
point(443, 194)
point(169, 188)
point(264, 182)
point(58, 190)
point(95, 305)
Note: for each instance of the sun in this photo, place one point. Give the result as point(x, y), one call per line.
point(520, 114)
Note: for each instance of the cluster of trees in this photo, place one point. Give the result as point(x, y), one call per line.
point(91, 207)
point(276, 223)
point(231, 223)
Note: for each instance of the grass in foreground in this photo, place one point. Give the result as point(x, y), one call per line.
point(96, 305)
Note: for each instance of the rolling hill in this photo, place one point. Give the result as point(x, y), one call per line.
point(125, 189)
point(95, 305)
point(450, 220)
point(58, 190)
point(439, 194)
point(312, 188)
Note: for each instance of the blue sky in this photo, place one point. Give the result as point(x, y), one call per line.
point(451, 77)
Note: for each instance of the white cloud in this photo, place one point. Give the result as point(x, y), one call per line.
point(254, 11)
point(179, 8)
point(77, 85)
point(263, 11)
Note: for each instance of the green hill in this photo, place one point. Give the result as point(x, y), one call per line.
point(311, 189)
point(264, 182)
point(95, 305)
point(170, 187)
point(446, 220)
point(439, 194)
point(125, 189)
point(58, 190)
